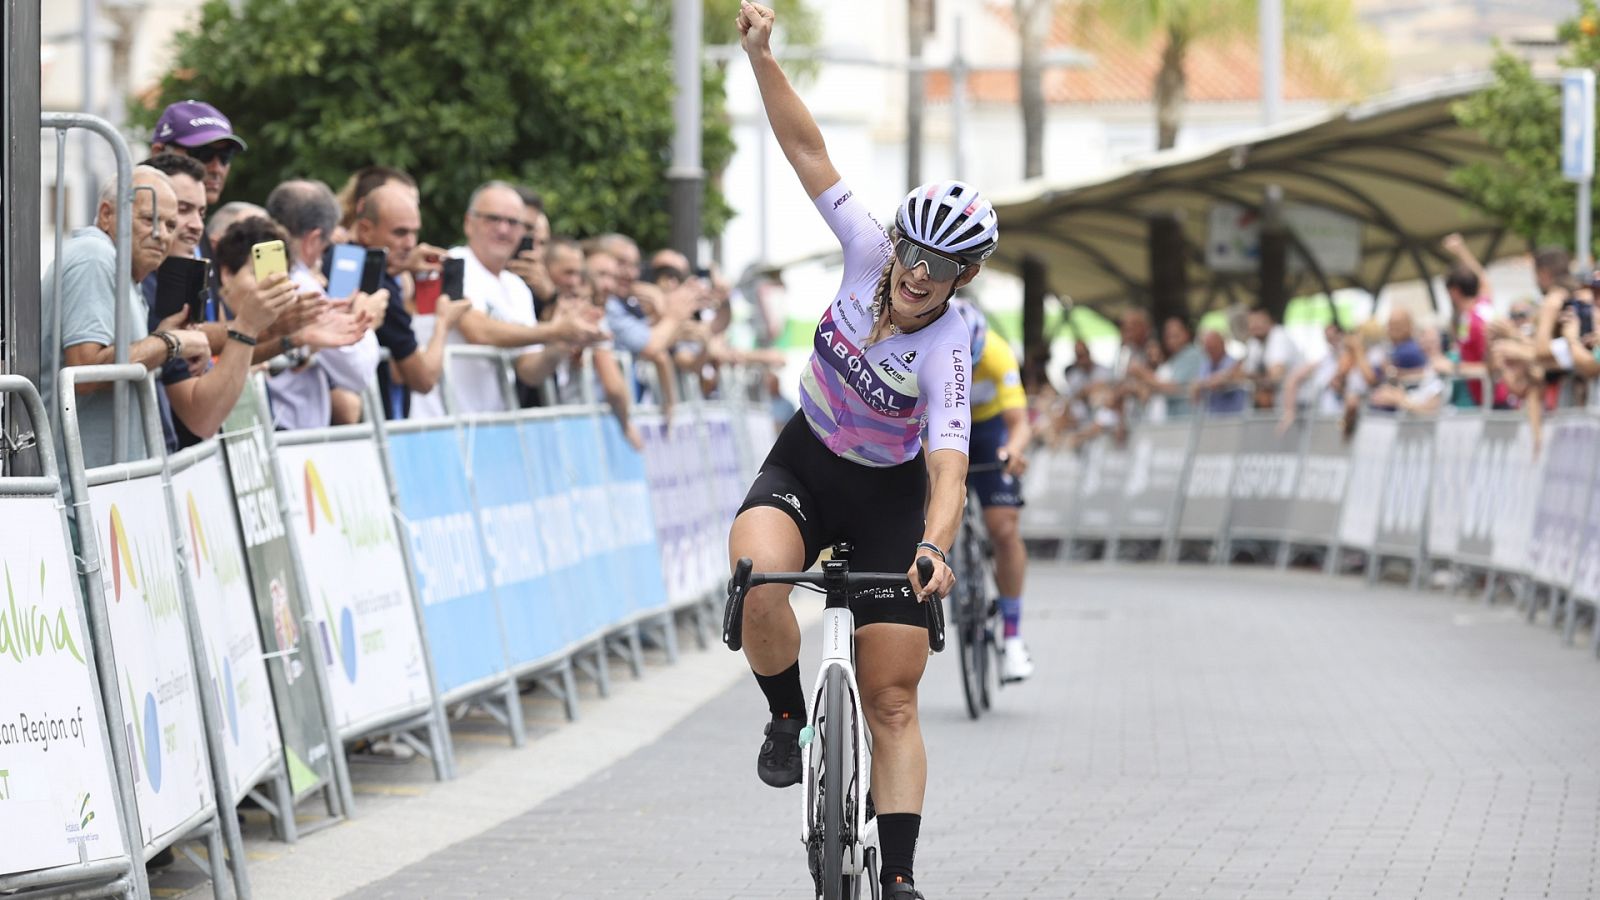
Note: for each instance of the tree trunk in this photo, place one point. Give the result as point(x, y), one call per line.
point(1170, 91)
point(1035, 349)
point(917, 26)
point(1033, 22)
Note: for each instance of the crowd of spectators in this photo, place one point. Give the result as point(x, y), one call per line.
point(1543, 355)
point(577, 319)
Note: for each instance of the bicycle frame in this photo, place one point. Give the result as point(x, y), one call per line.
point(839, 652)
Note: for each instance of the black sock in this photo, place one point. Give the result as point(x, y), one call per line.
point(897, 837)
point(784, 696)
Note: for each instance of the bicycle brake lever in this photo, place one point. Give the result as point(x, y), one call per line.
point(733, 614)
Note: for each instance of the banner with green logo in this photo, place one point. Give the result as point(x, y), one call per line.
point(55, 780)
point(150, 639)
point(229, 634)
point(279, 606)
point(366, 622)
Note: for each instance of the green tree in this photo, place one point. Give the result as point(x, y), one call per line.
point(571, 97)
point(1324, 37)
point(1519, 116)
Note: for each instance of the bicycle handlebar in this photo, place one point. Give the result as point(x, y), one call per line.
point(836, 575)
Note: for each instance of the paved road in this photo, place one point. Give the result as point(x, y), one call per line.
point(1191, 733)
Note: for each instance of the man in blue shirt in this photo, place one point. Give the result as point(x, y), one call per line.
point(1216, 384)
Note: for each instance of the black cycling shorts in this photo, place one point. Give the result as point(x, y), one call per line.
point(879, 511)
point(992, 485)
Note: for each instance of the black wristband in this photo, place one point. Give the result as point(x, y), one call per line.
point(241, 337)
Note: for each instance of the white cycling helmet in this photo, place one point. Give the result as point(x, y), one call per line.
point(950, 217)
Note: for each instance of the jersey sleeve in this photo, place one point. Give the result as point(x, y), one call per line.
point(865, 243)
point(1000, 364)
point(946, 381)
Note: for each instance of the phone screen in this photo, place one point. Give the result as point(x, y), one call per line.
point(345, 265)
point(372, 272)
point(181, 286)
point(454, 281)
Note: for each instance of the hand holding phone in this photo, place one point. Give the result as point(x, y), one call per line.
point(526, 246)
point(181, 286)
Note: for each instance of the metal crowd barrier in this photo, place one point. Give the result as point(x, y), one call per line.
point(1465, 489)
point(262, 599)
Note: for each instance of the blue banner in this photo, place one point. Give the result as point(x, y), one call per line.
point(605, 592)
point(458, 603)
point(557, 524)
point(633, 520)
point(519, 557)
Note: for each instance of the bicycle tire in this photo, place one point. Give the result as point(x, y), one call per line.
point(834, 739)
point(969, 621)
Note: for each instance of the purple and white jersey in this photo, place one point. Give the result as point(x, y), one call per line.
point(872, 406)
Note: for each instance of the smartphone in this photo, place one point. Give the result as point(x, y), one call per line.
point(343, 266)
point(372, 271)
point(269, 259)
point(1585, 313)
point(427, 295)
point(526, 246)
point(181, 285)
point(454, 280)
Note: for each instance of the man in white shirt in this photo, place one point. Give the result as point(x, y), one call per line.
point(502, 313)
point(324, 388)
point(1269, 356)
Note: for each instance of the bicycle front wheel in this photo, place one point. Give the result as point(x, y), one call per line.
point(834, 783)
point(968, 614)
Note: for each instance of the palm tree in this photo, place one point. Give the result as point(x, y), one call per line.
point(1324, 38)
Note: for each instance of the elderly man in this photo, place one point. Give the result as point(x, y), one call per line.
point(199, 398)
point(322, 388)
point(187, 177)
point(199, 131)
point(502, 313)
point(390, 218)
point(1216, 384)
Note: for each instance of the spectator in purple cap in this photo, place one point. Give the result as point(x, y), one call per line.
point(199, 130)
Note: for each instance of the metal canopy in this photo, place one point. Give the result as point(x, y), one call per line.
point(1386, 163)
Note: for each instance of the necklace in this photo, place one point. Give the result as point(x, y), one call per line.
point(877, 311)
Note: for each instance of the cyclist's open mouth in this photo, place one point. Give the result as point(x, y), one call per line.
point(911, 294)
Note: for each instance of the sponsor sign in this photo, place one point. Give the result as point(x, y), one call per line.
point(280, 610)
point(56, 793)
point(150, 640)
point(231, 641)
point(366, 626)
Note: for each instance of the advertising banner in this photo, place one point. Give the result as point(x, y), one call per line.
point(1206, 494)
point(1105, 473)
point(1368, 468)
point(56, 791)
point(1560, 512)
point(1455, 441)
point(1586, 571)
point(366, 624)
point(150, 639)
point(691, 446)
point(672, 503)
point(1154, 476)
point(600, 591)
point(458, 603)
point(280, 609)
point(1403, 508)
point(1513, 517)
point(1266, 473)
point(632, 520)
point(227, 615)
point(1051, 488)
point(1319, 491)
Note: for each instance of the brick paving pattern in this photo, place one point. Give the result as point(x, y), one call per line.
point(1193, 733)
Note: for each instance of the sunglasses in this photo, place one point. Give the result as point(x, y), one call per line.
point(939, 266)
point(205, 154)
point(499, 221)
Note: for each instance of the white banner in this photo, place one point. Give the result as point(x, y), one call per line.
point(1454, 442)
point(1513, 522)
point(1369, 461)
point(150, 639)
point(55, 781)
point(228, 629)
point(360, 596)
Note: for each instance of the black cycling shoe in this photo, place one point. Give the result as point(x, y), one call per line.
point(779, 762)
point(900, 890)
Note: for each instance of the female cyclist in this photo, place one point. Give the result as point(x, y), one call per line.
point(890, 369)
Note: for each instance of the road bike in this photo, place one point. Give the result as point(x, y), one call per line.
point(839, 828)
point(974, 609)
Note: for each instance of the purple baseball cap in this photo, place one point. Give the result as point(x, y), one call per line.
point(191, 123)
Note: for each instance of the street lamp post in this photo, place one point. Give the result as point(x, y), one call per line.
point(686, 175)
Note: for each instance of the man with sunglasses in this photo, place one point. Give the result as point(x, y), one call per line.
point(198, 130)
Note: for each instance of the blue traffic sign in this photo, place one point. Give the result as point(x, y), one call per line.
point(1577, 124)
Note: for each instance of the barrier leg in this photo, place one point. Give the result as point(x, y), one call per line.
point(280, 807)
point(1594, 635)
point(591, 661)
point(1488, 587)
point(625, 644)
point(1569, 621)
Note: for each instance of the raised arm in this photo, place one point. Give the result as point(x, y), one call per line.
point(796, 131)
